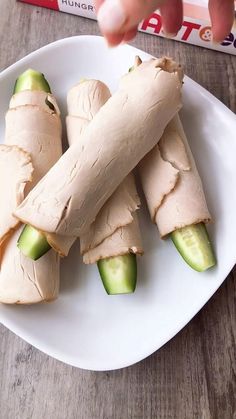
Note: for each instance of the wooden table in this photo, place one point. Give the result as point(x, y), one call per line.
point(191, 377)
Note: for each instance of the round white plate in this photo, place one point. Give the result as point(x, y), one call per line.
point(85, 327)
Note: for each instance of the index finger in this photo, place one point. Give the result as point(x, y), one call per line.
point(222, 18)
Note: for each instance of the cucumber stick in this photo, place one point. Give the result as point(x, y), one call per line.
point(119, 274)
point(194, 245)
point(31, 80)
point(32, 243)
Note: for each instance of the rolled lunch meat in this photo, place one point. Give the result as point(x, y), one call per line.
point(68, 199)
point(32, 146)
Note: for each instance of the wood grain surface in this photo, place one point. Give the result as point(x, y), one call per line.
point(191, 377)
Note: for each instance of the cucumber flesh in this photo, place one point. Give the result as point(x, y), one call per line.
point(31, 80)
point(119, 274)
point(194, 245)
point(32, 243)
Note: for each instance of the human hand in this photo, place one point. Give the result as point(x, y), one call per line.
point(119, 19)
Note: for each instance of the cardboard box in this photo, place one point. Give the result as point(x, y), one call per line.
point(195, 30)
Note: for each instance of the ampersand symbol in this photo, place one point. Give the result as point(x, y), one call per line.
point(206, 33)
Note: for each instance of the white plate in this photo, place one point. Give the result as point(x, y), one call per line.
point(85, 327)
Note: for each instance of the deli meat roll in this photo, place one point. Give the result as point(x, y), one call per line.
point(115, 230)
point(171, 183)
point(68, 199)
point(32, 146)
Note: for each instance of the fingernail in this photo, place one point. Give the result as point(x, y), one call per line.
point(214, 39)
point(216, 42)
point(169, 35)
point(111, 16)
point(110, 45)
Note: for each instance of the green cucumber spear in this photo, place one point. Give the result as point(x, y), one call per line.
point(118, 273)
point(31, 80)
point(193, 244)
point(32, 243)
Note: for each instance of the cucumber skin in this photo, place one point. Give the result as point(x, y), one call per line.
point(38, 244)
point(118, 274)
point(202, 243)
point(31, 80)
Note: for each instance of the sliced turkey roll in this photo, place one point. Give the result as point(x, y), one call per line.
point(33, 124)
point(84, 101)
point(175, 196)
point(171, 182)
point(126, 128)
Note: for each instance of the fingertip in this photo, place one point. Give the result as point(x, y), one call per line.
point(222, 18)
point(113, 39)
point(97, 4)
point(116, 16)
point(111, 16)
point(130, 35)
point(219, 34)
point(172, 17)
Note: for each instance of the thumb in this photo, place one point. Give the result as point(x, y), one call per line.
point(119, 16)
